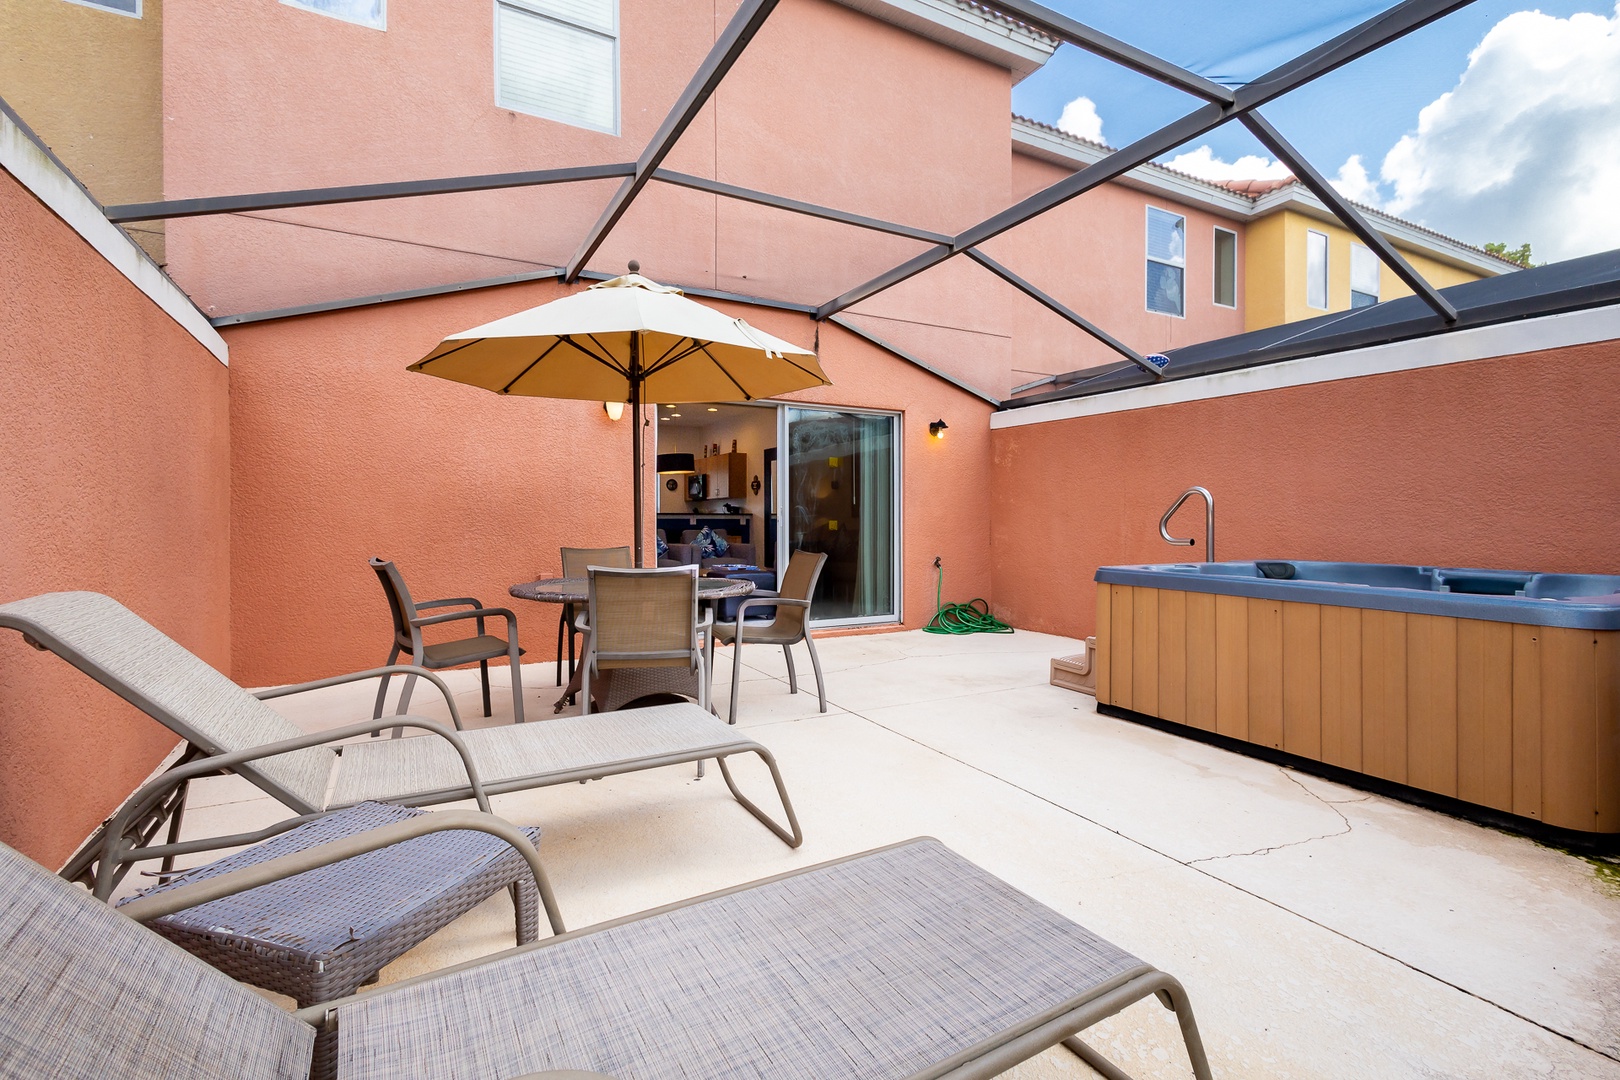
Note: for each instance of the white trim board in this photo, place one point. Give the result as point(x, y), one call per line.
point(1459, 346)
point(32, 166)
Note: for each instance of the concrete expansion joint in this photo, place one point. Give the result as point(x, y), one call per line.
point(1292, 843)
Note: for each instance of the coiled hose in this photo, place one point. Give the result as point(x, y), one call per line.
point(972, 617)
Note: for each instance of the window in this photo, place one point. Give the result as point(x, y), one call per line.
point(1363, 277)
point(559, 59)
point(1166, 262)
point(1225, 268)
point(373, 13)
point(122, 7)
point(1316, 283)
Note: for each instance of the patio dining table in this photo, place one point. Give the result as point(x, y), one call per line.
point(576, 591)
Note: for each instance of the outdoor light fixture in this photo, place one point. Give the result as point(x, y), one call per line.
point(614, 409)
point(937, 429)
point(676, 463)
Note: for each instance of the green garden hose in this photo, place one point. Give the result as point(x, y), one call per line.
point(972, 617)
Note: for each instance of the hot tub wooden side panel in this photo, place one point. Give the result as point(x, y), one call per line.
point(1521, 719)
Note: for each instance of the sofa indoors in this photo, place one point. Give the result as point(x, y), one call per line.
point(685, 552)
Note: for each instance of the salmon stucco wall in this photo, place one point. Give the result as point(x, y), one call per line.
point(340, 454)
point(1506, 463)
point(114, 438)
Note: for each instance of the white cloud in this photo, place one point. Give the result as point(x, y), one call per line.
point(1355, 184)
point(1203, 163)
point(1526, 146)
point(1080, 119)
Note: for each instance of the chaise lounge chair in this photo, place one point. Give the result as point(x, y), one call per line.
point(905, 962)
point(229, 729)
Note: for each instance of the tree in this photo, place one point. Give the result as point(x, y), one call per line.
point(1520, 254)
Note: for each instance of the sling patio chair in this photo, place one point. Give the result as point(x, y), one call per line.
point(574, 562)
point(645, 637)
point(408, 624)
point(790, 625)
point(226, 728)
point(903, 963)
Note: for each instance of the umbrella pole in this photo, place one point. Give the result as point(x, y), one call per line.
point(635, 437)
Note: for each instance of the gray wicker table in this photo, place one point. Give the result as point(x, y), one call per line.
point(321, 934)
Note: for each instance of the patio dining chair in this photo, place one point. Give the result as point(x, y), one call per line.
point(228, 729)
point(774, 979)
point(574, 562)
point(408, 639)
point(645, 636)
point(790, 625)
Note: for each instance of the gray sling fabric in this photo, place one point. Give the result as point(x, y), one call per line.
point(121, 650)
point(866, 969)
point(387, 769)
point(89, 994)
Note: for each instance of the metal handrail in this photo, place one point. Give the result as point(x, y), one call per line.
point(1209, 522)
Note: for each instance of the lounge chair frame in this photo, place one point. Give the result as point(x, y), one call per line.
point(1060, 1025)
point(46, 624)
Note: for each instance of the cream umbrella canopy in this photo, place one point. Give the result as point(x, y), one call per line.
point(629, 339)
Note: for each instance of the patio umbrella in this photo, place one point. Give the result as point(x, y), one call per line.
point(629, 339)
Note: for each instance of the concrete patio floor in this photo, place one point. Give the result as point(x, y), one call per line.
point(1322, 932)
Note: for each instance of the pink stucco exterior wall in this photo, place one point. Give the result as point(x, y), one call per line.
point(1509, 463)
point(1090, 254)
point(340, 454)
point(113, 431)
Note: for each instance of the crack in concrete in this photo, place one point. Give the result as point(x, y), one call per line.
point(1292, 843)
point(1335, 931)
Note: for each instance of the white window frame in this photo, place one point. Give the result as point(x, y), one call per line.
point(538, 12)
point(1149, 211)
point(304, 5)
point(1327, 286)
point(1378, 272)
point(1215, 277)
point(140, 6)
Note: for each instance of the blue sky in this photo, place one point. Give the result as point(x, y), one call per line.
point(1367, 107)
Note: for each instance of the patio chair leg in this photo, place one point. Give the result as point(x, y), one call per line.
point(405, 702)
point(563, 621)
point(515, 665)
point(793, 676)
point(483, 673)
point(1172, 996)
point(815, 662)
point(175, 818)
point(382, 685)
point(736, 673)
point(792, 836)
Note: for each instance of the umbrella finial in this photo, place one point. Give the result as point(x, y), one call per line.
point(635, 266)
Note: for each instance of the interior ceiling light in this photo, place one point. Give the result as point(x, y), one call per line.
point(714, 410)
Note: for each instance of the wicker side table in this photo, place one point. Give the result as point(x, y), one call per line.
point(321, 934)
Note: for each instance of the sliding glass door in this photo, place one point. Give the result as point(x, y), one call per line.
point(842, 497)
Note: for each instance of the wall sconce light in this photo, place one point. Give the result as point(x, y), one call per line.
point(614, 409)
point(937, 429)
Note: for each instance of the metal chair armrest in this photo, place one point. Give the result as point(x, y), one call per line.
point(479, 613)
point(116, 851)
point(170, 901)
point(453, 601)
point(766, 601)
point(370, 673)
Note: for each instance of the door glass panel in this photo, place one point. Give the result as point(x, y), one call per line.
point(841, 499)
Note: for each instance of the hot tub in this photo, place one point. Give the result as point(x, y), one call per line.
point(1492, 690)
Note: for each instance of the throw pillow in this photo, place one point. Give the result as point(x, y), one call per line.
point(709, 544)
point(663, 547)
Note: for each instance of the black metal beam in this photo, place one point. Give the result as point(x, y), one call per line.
point(897, 351)
point(405, 189)
point(1058, 25)
point(1060, 310)
point(1346, 213)
point(1380, 30)
point(763, 198)
point(724, 53)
